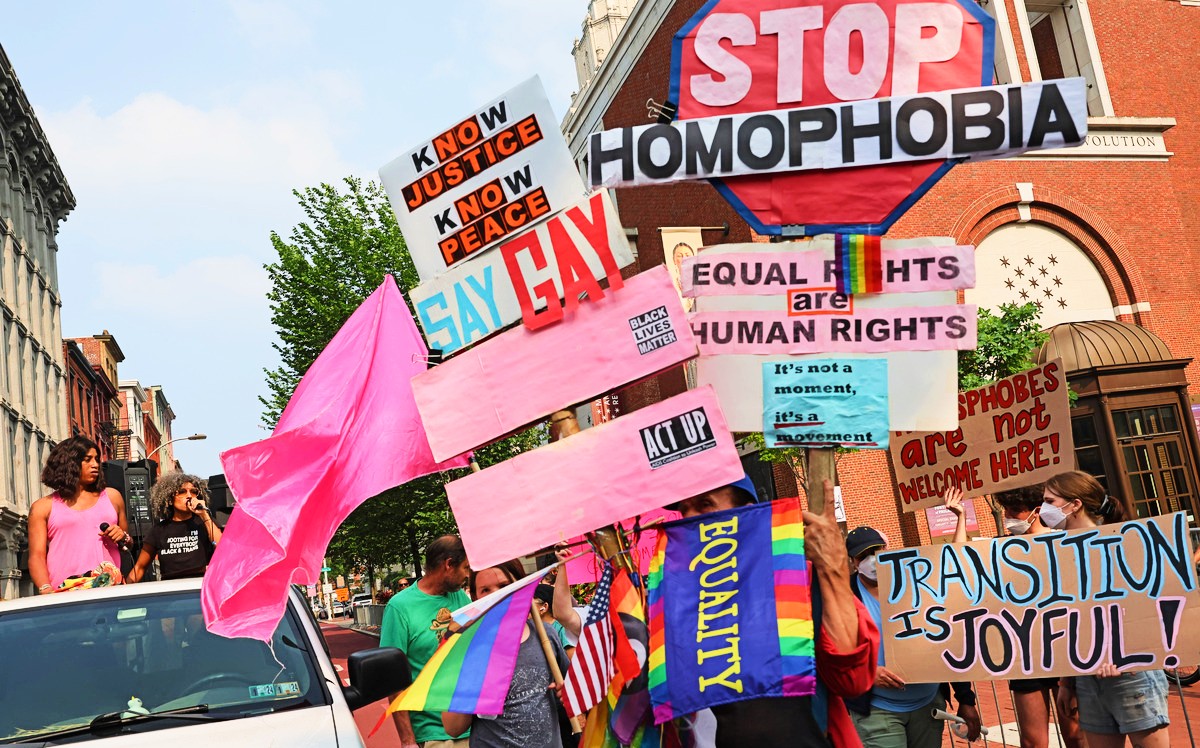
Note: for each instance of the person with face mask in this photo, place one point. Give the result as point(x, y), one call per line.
point(1113, 706)
point(1022, 511)
point(896, 713)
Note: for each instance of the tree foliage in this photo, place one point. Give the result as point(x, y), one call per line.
point(329, 263)
point(1007, 342)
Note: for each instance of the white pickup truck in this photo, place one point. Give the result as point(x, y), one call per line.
point(133, 665)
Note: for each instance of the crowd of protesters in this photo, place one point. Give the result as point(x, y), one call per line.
point(78, 536)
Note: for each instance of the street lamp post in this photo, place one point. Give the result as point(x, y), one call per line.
point(192, 438)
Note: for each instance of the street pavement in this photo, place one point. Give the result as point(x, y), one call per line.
point(342, 641)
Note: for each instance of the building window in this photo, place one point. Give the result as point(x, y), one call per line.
point(1062, 44)
point(1153, 450)
point(1088, 456)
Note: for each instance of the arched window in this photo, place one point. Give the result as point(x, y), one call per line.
point(1031, 263)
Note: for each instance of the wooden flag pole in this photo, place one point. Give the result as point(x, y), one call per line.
point(821, 466)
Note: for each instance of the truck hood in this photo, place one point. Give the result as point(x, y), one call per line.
point(312, 727)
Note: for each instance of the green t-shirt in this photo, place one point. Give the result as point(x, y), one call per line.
point(406, 626)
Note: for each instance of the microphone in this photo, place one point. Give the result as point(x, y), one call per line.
point(197, 505)
point(123, 545)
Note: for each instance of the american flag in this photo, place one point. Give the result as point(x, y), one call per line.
point(592, 667)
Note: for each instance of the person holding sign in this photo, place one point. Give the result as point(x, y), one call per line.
point(1031, 696)
point(846, 643)
point(896, 714)
point(1112, 705)
point(530, 718)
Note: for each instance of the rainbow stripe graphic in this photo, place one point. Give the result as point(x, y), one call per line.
point(773, 592)
point(859, 263)
point(793, 599)
point(471, 672)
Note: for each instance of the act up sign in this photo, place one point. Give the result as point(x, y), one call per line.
point(491, 176)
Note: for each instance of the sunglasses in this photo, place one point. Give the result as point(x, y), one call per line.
point(188, 492)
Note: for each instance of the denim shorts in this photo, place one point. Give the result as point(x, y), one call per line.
point(1128, 703)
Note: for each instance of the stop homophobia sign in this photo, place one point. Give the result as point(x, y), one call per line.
point(1016, 432)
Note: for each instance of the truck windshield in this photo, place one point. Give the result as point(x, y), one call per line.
point(65, 665)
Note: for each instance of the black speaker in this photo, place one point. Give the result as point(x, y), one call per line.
point(114, 474)
point(219, 495)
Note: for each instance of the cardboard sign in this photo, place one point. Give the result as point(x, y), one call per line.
point(520, 376)
point(1016, 432)
point(1056, 604)
point(527, 277)
point(909, 265)
point(972, 123)
point(944, 523)
point(491, 176)
point(950, 328)
point(825, 402)
point(922, 385)
point(636, 463)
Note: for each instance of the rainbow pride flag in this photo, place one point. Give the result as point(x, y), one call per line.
point(471, 671)
point(730, 605)
point(859, 263)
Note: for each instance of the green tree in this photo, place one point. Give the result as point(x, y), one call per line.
point(1007, 342)
point(329, 263)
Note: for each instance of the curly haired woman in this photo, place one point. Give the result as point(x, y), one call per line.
point(185, 534)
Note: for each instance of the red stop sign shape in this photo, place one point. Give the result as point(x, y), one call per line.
point(737, 56)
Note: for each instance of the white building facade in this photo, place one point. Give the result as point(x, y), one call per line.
point(34, 199)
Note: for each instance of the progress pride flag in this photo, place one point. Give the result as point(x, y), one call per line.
point(501, 385)
point(637, 463)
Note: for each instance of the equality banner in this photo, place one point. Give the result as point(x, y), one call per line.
point(974, 123)
point(908, 265)
point(824, 403)
point(843, 331)
point(922, 385)
point(1056, 604)
point(527, 277)
point(521, 375)
point(639, 462)
point(491, 176)
point(1014, 433)
point(730, 610)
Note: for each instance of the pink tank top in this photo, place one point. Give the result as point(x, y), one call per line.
point(73, 540)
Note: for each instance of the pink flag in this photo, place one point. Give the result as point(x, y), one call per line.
point(350, 431)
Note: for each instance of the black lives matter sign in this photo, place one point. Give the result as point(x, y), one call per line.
point(652, 330)
point(677, 438)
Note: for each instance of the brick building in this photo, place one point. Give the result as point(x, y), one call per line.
point(103, 355)
point(1103, 233)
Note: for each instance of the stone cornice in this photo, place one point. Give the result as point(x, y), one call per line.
point(31, 144)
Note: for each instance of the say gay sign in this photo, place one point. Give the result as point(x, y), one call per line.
point(1043, 605)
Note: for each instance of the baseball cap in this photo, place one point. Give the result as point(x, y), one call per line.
point(862, 539)
point(743, 484)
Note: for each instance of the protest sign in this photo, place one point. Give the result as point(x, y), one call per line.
point(639, 462)
point(1013, 433)
point(730, 610)
point(921, 384)
point(501, 385)
point(527, 277)
point(852, 331)
point(1056, 604)
point(825, 403)
point(909, 265)
point(489, 177)
point(970, 123)
point(943, 523)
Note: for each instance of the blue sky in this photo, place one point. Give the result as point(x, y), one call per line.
point(183, 128)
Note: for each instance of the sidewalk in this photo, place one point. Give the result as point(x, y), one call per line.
point(996, 711)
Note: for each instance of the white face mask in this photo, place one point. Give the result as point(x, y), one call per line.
point(1052, 516)
point(1017, 526)
point(867, 568)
